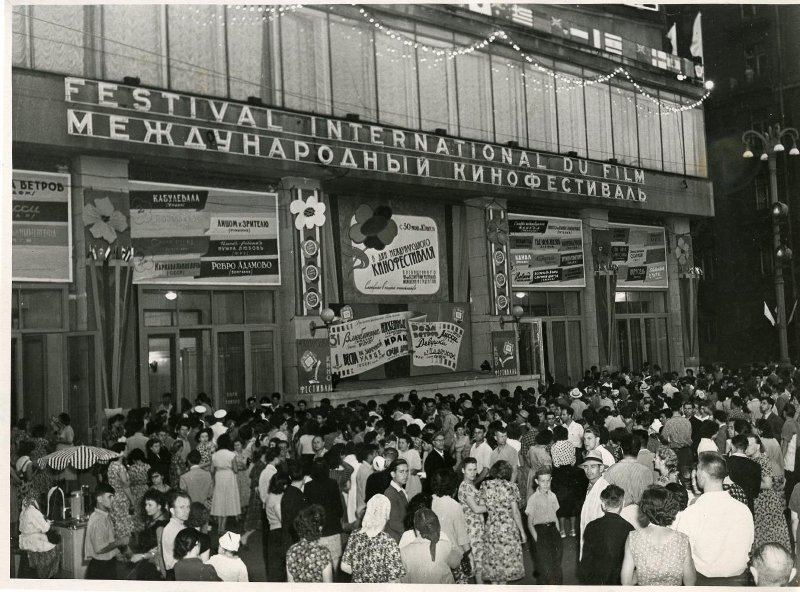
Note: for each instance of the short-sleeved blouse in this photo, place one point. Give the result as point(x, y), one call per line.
point(563, 453)
point(374, 560)
point(659, 565)
point(306, 561)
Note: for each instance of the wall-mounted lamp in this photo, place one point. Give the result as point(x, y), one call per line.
point(171, 295)
point(516, 314)
point(327, 316)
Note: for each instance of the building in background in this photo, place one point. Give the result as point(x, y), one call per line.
point(749, 53)
point(261, 198)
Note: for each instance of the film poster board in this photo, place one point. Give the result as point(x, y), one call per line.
point(545, 252)
point(314, 366)
point(435, 343)
point(504, 353)
point(640, 254)
point(202, 235)
point(41, 228)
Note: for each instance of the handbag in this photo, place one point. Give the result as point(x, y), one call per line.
point(53, 537)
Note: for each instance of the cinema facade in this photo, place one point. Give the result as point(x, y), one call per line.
point(345, 202)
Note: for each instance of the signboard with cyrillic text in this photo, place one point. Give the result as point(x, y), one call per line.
point(640, 254)
point(545, 252)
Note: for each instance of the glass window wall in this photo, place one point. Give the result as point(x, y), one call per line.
point(353, 68)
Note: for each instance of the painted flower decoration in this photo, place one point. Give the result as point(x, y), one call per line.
point(309, 213)
point(682, 249)
point(104, 221)
point(497, 230)
point(375, 230)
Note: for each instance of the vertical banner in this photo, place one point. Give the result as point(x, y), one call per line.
point(497, 238)
point(41, 230)
point(435, 343)
point(545, 251)
point(314, 366)
point(309, 218)
point(640, 254)
point(190, 235)
point(504, 353)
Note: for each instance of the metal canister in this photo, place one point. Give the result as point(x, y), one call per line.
point(76, 505)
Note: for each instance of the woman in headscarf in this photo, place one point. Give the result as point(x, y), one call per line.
point(372, 556)
point(429, 559)
point(42, 554)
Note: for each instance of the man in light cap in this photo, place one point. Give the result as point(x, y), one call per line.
point(577, 404)
point(218, 427)
point(594, 467)
point(229, 566)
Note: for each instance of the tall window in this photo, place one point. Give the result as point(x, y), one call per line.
point(133, 43)
point(252, 41)
point(694, 138)
point(437, 87)
point(672, 135)
point(509, 101)
point(305, 61)
point(571, 116)
point(398, 95)
point(57, 38)
point(649, 132)
point(352, 68)
point(623, 111)
point(599, 133)
point(197, 49)
point(540, 95)
point(474, 83)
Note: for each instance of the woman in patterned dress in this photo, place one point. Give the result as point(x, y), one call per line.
point(307, 560)
point(474, 509)
point(241, 464)
point(769, 506)
point(138, 470)
point(371, 555)
point(205, 447)
point(177, 466)
point(122, 501)
point(504, 533)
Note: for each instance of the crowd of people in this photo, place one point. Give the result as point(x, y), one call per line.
point(661, 479)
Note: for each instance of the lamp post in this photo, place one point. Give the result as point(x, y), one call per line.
point(771, 145)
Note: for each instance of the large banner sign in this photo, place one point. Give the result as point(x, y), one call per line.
point(204, 235)
point(545, 251)
point(314, 368)
point(640, 254)
point(363, 344)
point(435, 343)
point(41, 231)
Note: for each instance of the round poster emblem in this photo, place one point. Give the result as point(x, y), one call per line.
point(310, 248)
point(500, 280)
point(311, 273)
point(311, 299)
point(499, 257)
point(502, 302)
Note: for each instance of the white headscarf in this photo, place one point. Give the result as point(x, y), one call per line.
point(376, 516)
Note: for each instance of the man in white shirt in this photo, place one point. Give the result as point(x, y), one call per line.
point(179, 504)
point(481, 452)
point(591, 440)
point(574, 429)
point(594, 467)
point(720, 528)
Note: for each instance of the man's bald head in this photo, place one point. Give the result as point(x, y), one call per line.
point(772, 565)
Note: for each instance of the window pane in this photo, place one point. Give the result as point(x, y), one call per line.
point(132, 43)
point(196, 306)
point(58, 38)
point(672, 137)
point(558, 331)
point(14, 309)
point(305, 63)
point(259, 307)
point(649, 133)
point(156, 318)
point(197, 49)
point(251, 59)
point(20, 42)
point(195, 355)
point(228, 308)
point(571, 117)
point(538, 302)
point(555, 304)
point(541, 107)
point(158, 311)
point(598, 121)
point(636, 343)
point(623, 110)
point(575, 352)
point(230, 365)
point(474, 96)
point(398, 100)
point(41, 309)
point(262, 355)
point(622, 343)
point(509, 101)
point(162, 366)
point(437, 88)
point(352, 68)
point(695, 141)
point(573, 303)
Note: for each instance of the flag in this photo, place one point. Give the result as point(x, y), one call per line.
point(92, 252)
point(768, 314)
point(672, 35)
point(791, 316)
point(127, 254)
point(696, 49)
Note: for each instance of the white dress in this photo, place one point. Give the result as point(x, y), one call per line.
point(226, 491)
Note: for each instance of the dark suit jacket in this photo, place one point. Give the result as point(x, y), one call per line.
point(394, 527)
point(326, 493)
point(603, 550)
point(435, 461)
point(377, 483)
point(292, 502)
point(746, 474)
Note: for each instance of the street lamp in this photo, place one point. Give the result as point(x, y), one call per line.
point(771, 141)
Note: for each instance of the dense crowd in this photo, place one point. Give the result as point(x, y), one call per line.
point(662, 479)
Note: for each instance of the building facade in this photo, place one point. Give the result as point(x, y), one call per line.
point(757, 86)
point(346, 201)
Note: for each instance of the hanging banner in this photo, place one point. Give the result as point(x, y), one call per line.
point(435, 343)
point(41, 230)
point(640, 254)
point(192, 235)
point(363, 344)
point(314, 366)
point(545, 251)
point(504, 353)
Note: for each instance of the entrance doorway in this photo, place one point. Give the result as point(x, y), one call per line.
point(642, 334)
